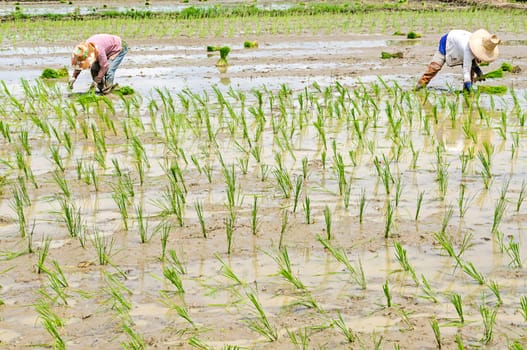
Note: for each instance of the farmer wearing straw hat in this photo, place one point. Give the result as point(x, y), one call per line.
point(460, 47)
point(102, 53)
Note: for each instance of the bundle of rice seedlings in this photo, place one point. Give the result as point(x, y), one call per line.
point(250, 44)
point(413, 35)
point(212, 48)
point(386, 55)
point(50, 73)
point(124, 90)
point(493, 90)
point(224, 51)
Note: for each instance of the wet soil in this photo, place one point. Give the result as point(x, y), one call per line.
point(219, 307)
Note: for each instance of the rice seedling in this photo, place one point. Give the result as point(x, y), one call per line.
point(284, 182)
point(23, 138)
point(384, 172)
point(18, 204)
point(299, 339)
point(142, 224)
point(389, 219)
point(471, 270)
point(55, 155)
point(521, 196)
point(117, 292)
point(446, 243)
point(176, 262)
point(449, 212)
point(362, 204)
point(199, 212)
point(437, 332)
point(516, 345)
point(260, 323)
point(400, 255)
point(141, 158)
point(387, 294)
point(485, 158)
point(427, 290)
point(165, 229)
point(297, 191)
point(120, 197)
point(229, 231)
point(499, 210)
point(523, 307)
point(489, 319)
point(283, 226)
point(71, 216)
point(419, 203)
point(513, 250)
point(61, 181)
point(43, 254)
point(441, 173)
point(255, 222)
point(327, 219)
point(494, 288)
point(58, 282)
point(285, 269)
point(306, 205)
point(463, 201)
point(398, 191)
point(173, 275)
point(228, 272)
point(344, 329)
point(51, 322)
point(198, 344)
point(135, 340)
point(456, 300)
point(341, 174)
point(103, 247)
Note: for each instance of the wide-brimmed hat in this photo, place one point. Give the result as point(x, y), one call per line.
point(484, 45)
point(83, 56)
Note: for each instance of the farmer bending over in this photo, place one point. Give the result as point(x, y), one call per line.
point(102, 53)
point(459, 47)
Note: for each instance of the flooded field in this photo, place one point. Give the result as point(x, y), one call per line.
point(305, 198)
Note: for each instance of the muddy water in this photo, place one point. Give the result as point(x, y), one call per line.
point(219, 307)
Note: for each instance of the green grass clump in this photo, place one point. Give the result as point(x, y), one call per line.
point(399, 33)
point(50, 73)
point(212, 48)
point(224, 51)
point(250, 44)
point(413, 35)
point(386, 55)
point(494, 90)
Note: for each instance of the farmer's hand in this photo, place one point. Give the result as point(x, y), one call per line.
point(98, 80)
point(480, 77)
point(71, 82)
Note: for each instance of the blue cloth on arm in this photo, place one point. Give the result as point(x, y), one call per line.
point(442, 44)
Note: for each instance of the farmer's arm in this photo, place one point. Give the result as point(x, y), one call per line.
point(103, 64)
point(477, 69)
point(467, 68)
point(76, 73)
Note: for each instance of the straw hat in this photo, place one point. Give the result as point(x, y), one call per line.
point(83, 56)
point(484, 45)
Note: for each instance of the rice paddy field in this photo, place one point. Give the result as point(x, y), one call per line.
point(303, 196)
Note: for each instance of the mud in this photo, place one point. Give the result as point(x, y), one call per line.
point(218, 306)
